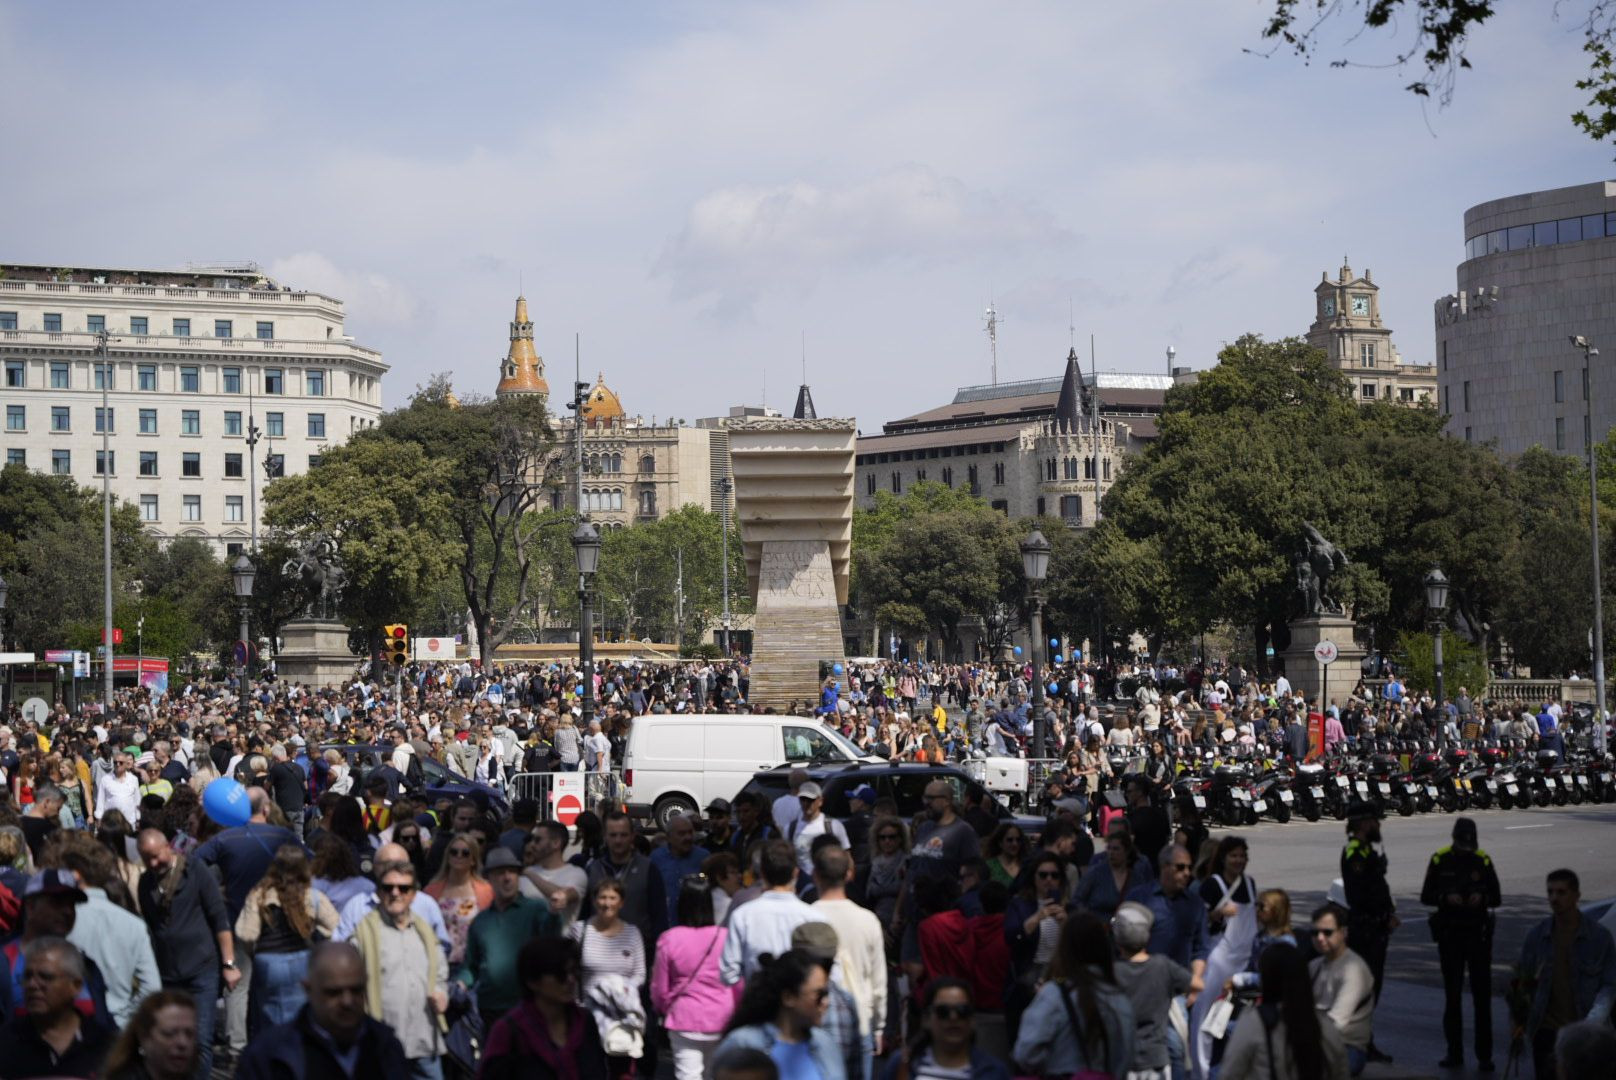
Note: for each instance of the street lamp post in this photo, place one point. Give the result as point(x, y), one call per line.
point(1436, 607)
point(586, 550)
point(725, 486)
point(1588, 354)
point(4, 589)
point(1035, 565)
point(101, 340)
point(241, 576)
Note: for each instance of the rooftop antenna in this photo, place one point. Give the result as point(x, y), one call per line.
point(805, 357)
point(1071, 324)
point(992, 321)
point(1094, 424)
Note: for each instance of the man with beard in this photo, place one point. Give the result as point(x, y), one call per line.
point(1372, 914)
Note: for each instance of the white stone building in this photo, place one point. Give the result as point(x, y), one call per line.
point(199, 360)
point(1347, 327)
point(1538, 269)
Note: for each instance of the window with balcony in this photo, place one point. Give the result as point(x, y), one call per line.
point(230, 380)
point(274, 381)
point(8, 320)
point(61, 376)
point(137, 324)
point(148, 421)
point(190, 422)
point(190, 508)
point(316, 425)
point(16, 374)
point(232, 467)
point(106, 420)
point(275, 425)
point(1071, 507)
point(222, 328)
point(146, 377)
point(233, 510)
point(62, 462)
point(190, 380)
point(95, 324)
point(148, 508)
point(53, 322)
point(232, 422)
point(148, 463)
point(266, 331)
point(16, 418)
point(182, 327)
point(61, 418)
point(191, 465)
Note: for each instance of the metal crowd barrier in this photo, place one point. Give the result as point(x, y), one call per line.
point(599, 788)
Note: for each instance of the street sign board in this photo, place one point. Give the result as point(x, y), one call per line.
point(434, 648)
point(58, 656)
point(35, 709)
point(239, 653)
point(1325, 652)
point(81, 665)
point(567, 797)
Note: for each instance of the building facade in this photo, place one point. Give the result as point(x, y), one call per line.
point(1347, 327)
point(1029, 448)
point(1538, 270)
point(199, 361)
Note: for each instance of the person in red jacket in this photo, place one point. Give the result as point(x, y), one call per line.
point(947, 941)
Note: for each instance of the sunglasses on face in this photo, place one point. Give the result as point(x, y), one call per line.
point(1049, 874)
point(460, 853)
point(1324, 932)
point(953, 1012)
point(395, 890)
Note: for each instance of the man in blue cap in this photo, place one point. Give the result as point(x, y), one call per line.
point(861, 807)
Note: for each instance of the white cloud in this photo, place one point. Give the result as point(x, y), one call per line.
point(367, 295)
point(741, 241)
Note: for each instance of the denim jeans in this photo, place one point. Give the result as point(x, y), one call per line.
point(1177, 1059)
point(204, 989)
point(1356, 1060)
point(277, 989)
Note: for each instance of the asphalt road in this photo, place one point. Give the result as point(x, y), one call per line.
point(1525, 845)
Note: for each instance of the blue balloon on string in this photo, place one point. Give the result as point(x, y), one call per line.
point(1054, 688)
point(1054, 643)
point(1058, 660)
point(1018, 650)
point(226, 802)
point(837, 668)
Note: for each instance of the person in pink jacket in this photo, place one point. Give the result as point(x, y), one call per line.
point(685, 985)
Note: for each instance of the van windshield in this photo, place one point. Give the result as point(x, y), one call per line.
point(811, 743)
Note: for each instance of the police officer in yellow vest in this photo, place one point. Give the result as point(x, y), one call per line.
point(1462, 884)
point(1372, 915)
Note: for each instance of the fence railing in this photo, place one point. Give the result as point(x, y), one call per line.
point(1517, 691)
point(597, 789)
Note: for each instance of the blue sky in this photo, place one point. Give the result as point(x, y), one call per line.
point(695, 186)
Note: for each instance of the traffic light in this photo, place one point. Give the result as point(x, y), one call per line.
point(396, 643)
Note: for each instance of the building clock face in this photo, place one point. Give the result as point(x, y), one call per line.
point(1360, 305)
point(1329, 307)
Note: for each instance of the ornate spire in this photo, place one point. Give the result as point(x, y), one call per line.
point(805, 405)
point(1069, 406)
point(523, 369)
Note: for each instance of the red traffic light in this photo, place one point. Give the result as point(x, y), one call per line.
point(399, 633)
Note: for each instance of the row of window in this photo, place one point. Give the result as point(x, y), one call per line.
point(191, 508)
point(1541, 234)
point(190, 378)
point(969, 450)
point(1370, 391)
point(613, 463)
point(139, 325)
point(1069, 468)
point(190, 464)
point(106, 420)
point(971, 481)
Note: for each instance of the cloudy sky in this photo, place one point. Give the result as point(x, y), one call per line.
point(697, 187)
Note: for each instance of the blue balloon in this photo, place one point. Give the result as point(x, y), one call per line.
point(1054, 688)
point(1054, 643)
point(1058, 660)
point(837, 668)
point(1018, 650)
point(1077, 654)
point(225, 801)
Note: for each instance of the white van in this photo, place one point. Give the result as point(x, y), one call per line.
point(679, 763)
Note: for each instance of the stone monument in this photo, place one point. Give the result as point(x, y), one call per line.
point(1321, 618)
point(315, 645)
point(794, 510)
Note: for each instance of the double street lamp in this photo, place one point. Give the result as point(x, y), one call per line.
point(1035, 567)
point(4, 589)
point(242, 573)
point(586, 550)
point(1436, 607)
point(1578, 341)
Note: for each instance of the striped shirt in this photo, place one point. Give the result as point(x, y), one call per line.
point(622, 953)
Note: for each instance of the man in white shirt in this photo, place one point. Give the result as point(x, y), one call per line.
point(764, 925)
point(119, 790)
point(1343, 985)
point(597, 749)
point(861, 959)
point(812, 824)
point(553, 877)
point(786, 809)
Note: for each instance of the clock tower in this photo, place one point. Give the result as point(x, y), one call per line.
point(1347, 328)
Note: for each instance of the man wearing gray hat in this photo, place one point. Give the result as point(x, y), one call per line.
point(1462, 884)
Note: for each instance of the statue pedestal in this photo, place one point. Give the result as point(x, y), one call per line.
point(1319, 683)
point(315, 653)
point(797, 624)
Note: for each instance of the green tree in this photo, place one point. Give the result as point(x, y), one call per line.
point(1442, 31)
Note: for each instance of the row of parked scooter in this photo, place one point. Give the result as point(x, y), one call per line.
point(1403, 777)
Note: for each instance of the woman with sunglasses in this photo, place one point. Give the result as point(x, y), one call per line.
point(461, 894)
point(1032, 927)
point(1080, 1021)
point(612, 970)
point(407, 835)
point(889, 861)
point(1283, 1038)
point(685, 985)
point(782, 1013)
point(944, 1048)
point(1004, 851)
point(547, 1036)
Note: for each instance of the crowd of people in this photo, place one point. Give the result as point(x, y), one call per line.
point(347, 920)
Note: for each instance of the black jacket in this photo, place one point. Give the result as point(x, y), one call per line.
point(293, 1051)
